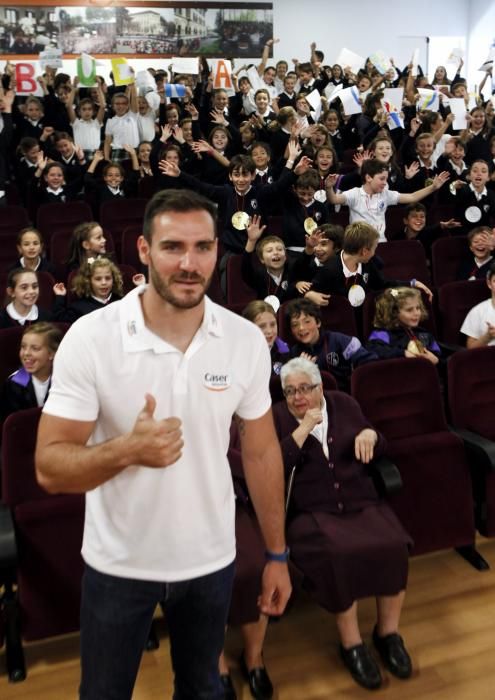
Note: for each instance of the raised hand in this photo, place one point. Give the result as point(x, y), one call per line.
point(440, 179)
point(168, 168)
point(254, 229)
point(411, 170)
point(166, 133)
point(155, 443)
point(59, 289)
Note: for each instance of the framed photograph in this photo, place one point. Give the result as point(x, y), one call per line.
point(106, 28)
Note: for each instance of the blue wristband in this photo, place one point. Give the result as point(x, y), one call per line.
point(283, 557)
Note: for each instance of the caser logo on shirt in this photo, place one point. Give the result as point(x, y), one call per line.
point(216, 382)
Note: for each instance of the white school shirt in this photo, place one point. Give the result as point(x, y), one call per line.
point(174, 523)
point(87, 134)
point(123, 130)
point(40, 389)
point(370, 207)
point(146, 126)
point(474, 325)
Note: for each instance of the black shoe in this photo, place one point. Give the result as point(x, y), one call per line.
point(260, 684)
point(362, 666)
point(228, 687)
point(394, 654)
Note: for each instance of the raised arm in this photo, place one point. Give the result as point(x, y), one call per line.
point(64, 463)
point(413, 197)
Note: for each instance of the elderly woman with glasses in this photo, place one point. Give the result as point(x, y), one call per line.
point(347, 543)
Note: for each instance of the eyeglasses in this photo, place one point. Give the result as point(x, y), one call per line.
point(304, 390)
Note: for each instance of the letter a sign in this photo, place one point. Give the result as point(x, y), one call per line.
point(221, 72)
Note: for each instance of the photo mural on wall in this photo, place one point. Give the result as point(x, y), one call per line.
point(209, 29)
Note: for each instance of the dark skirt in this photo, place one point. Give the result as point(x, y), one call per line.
point(347, 557)
point(249, 565)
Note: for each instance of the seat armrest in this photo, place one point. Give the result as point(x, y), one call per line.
point(8, 547)
point(386, 476)
point(479, 449)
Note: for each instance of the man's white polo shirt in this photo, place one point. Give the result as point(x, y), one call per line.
point(370, 207)
point(177, 522)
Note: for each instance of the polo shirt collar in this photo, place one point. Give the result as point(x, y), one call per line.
point(136, 337)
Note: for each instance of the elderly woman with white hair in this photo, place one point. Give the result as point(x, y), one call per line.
point(347, 543)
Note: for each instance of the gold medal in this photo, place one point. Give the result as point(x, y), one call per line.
point(240, 220)
point(310, 225)
point(415, 347)
point(428, 181)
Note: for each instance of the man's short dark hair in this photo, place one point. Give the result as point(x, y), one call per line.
point(181, 201)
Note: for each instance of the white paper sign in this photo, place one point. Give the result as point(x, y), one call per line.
point(314, 99)
point(458, 109)
point(489, 60)
point(221, 73)
point(350, 100)
point(415, 62)
point(428, 99)
point(331, 91)
point(394, 96)
point(51, 58)
point(381, 62)
point(455, 56)
point(255, 79)
point(145, 81)
point(25, 79)
point(350, 59)
point(189, 66)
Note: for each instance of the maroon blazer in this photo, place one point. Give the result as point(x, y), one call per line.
point(339, 484)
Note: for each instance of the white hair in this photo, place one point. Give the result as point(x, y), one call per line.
point(300, 364)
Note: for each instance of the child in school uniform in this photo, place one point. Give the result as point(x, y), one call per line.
point(305, 208)
point(415, 228)
point(49, 184)
point(115, 182)
point(87, 241)
point(397, 331)
point(475, 204)
point(28, 387)
point(30, 249)
point(97, 284)
point(263, 315)
point(370, 201)
point(264, 264)
point(333, 352)
point(321, 246)
point(22, 295)
point(122, 129)
point(71, 156)
point(477, 262)
point(87, 120)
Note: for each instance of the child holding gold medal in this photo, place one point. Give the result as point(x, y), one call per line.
point(397, 332)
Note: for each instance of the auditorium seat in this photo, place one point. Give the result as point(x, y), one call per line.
point(455, 299)
point(54, 217)
point(238, 292)
point(48, 533)
point(471, 382)
point(13, 219)
point(404, 260)
point(402, 399)
point(446, 256)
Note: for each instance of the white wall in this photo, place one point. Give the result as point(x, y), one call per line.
point(364, 26)
point(481, 37)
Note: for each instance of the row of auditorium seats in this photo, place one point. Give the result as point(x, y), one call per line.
point(446, 494)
